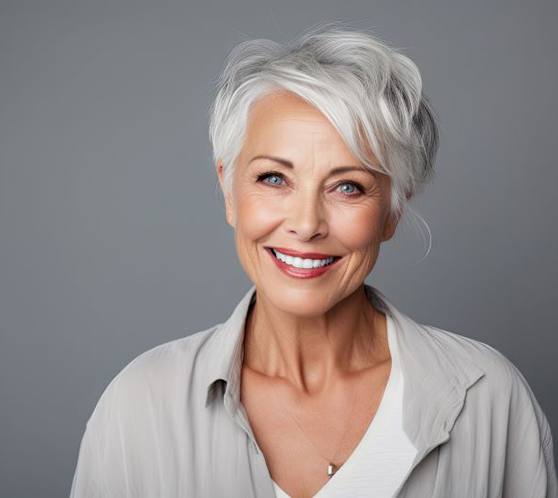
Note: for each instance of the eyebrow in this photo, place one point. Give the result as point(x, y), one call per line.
point(334, 171)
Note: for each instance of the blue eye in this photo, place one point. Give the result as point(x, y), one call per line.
point(356, 188)
point(265, 176)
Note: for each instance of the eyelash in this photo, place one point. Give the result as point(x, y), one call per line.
point(262, 176)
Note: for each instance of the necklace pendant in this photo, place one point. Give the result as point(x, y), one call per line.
point(331, 469)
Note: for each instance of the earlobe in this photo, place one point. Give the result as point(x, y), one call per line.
point(229, 210)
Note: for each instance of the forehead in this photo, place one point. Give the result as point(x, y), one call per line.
point(284, 103)
point(283, 118)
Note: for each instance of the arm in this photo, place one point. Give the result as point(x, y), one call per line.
point(530, 470)
point(102, 469)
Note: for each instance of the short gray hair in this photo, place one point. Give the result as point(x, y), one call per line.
point(371, 94)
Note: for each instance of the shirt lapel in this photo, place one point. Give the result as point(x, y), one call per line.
point(436, 378)
point(222, 361)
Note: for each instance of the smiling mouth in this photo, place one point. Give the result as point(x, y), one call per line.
point(300, 262)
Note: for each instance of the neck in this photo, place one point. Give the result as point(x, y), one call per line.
point(312, 353)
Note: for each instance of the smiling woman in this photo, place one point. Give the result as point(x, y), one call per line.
point(317, 385)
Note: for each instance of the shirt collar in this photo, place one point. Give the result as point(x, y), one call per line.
point(436, 378)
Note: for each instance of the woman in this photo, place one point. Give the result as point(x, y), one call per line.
point(317, 385)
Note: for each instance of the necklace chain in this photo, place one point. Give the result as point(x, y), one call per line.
point(332, 467)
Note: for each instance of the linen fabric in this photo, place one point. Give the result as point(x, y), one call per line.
point(170, 424)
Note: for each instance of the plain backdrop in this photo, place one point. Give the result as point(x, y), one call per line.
point(112, 231)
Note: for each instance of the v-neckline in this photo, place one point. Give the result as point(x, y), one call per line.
point(387, 394)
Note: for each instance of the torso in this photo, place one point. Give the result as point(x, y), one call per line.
point(297, 460)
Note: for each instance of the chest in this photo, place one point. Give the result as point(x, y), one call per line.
point(300, 437)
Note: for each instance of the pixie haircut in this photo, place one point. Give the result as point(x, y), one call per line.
point(370, 93)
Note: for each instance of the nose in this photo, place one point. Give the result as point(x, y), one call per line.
point(306, 217)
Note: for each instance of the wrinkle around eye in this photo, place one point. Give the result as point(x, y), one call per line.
point(359, 189)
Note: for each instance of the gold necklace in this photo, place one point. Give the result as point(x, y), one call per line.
point(332, 468)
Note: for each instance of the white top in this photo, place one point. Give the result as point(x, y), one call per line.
point(384, 455)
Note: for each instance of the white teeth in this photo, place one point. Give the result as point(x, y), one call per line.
point(302, 263)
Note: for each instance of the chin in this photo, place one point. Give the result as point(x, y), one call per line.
point(301, 300)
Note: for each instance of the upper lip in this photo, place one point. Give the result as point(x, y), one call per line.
point(310, 255)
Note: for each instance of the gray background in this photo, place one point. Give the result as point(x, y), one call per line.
point(112, 232)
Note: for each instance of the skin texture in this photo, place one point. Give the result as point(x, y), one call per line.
point(314, 349)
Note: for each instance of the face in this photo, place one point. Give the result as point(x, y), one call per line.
point(299, 203)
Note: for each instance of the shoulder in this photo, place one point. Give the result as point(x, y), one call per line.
point(500, 372)
point(497, 367)
point(160, 361)
point(504, 404)
point(154, 374)
point(503, 387)
point(136, 425)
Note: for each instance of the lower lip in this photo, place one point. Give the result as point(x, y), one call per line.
point(301, 272)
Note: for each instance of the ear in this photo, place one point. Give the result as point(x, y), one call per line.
point(229, 208)
point(389, 226)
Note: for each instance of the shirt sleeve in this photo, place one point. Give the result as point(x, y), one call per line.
point(102, 467)
point(88, 476)
point(530, 470)
point(129, 447)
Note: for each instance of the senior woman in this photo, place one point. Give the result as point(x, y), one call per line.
point(317, 385)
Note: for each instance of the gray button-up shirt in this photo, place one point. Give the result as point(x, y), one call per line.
point(171, 423)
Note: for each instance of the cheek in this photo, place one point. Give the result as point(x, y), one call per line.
point(360, 229)
point(257, 214)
